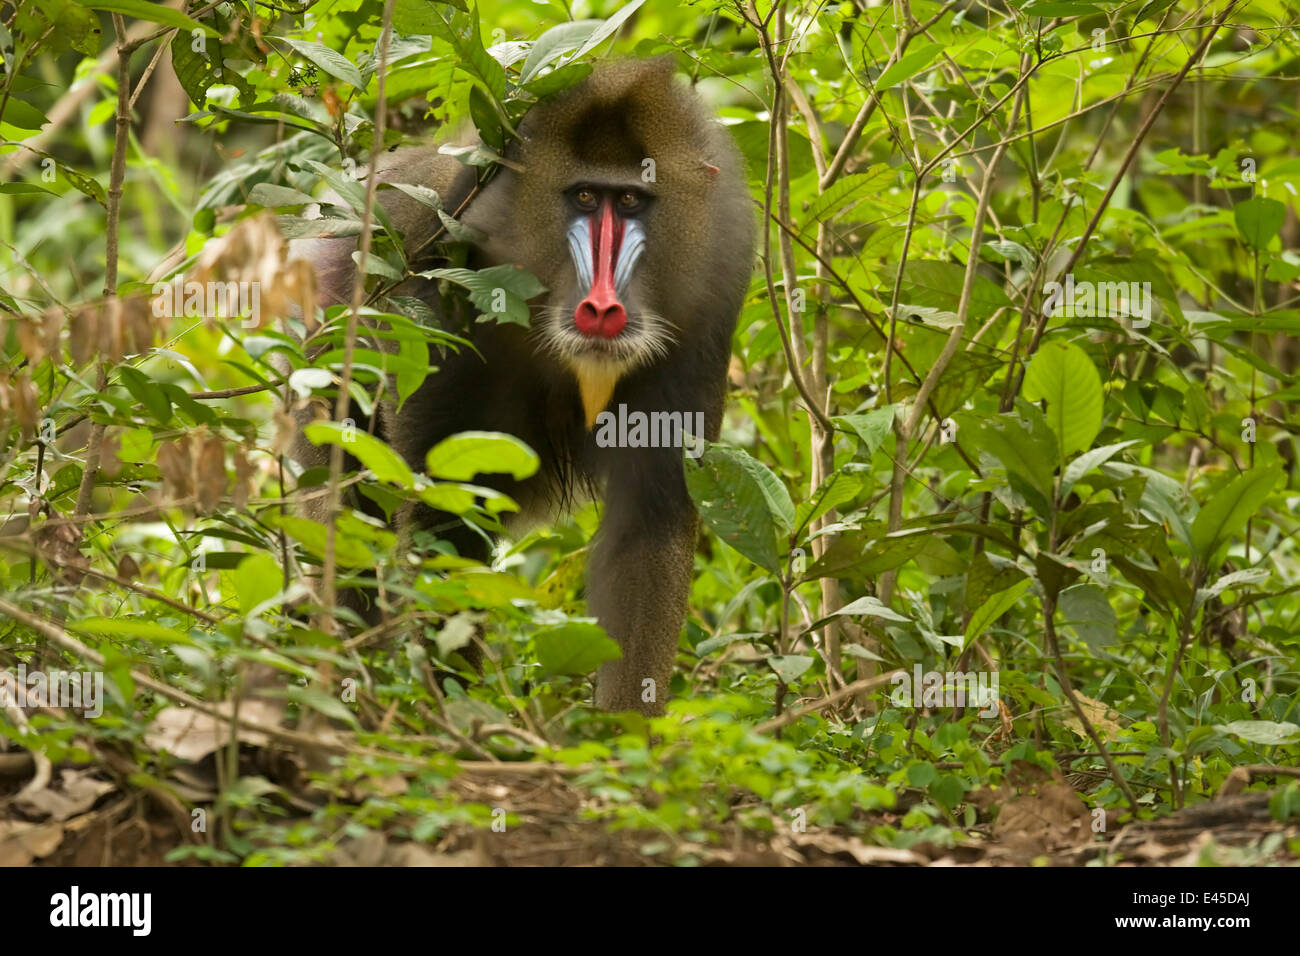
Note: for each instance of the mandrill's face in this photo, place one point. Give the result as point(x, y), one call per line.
point(598, 320)
point(628, 202)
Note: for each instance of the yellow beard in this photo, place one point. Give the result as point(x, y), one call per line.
point(596, 381)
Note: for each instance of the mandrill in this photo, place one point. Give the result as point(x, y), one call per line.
point(646, 266)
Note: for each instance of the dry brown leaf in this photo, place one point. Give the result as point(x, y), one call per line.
point(1100, 715)
point(74, 794)
point(210, 474)
point(21, 842)
point(245, 479)
point(863, 853)
point(174, 463)
point(127, 568)
point(192, 734)
point(1040, 811)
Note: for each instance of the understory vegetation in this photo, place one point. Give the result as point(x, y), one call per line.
point(999, 556)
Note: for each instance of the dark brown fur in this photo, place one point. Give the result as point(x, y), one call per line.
point(691, 282)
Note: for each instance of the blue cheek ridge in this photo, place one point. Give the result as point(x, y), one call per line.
point(579, 235)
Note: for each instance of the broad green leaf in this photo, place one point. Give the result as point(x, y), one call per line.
point(331, 61)
point(872, 607)
point(992, 609)
point(1258, 220)
point(322, 702)
point(151, 11)
point(574, 648)
point(609, 27)
point(911, 64)
point(742, 502)
point(147, 393)
point(272, 196)
point(24, 115)
point(500, 292)
point(386, 464)
point(257, 579)
point(1163, 498)
point(938, 284)
point(554, 43)
point(1271, 733)
point(1228, 511)
point(1085, 609)
point(711, 644)
point(348, 551)
point(1237, 580)
point(462, 456)
point(1063, 375)
point(872, 427)
point(150, 631)
point(1012, 441)
point(843, 485)
point(847, 192)
point(1088, 461)
point(790, 667)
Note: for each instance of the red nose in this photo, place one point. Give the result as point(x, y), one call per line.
point(600, 314)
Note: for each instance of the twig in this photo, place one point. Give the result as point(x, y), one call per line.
point(857, 687)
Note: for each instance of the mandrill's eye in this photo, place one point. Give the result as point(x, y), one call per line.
point(628, 201)
point(586, 199)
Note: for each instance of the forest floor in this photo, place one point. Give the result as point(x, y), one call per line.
point(83, 816)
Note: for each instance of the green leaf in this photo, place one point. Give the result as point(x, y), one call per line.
point(1162, 497)
point(1088, 461)
point(152, 12)
point(574, 648)
point(331, 61)
point(1014, 442)
point(873, 427)
point(24, 115)
point(322, 702)
point(1229, 510)
point(948, 790)
point(462, 456)
point(608, 28)
point(1085, 609)
point(867, 553)
point(847, 192)
point(872, 607)
point(1062, 373)
point(843, 485)
point(147, 393)
point(499, 292)
point(349, 551)
point(742, 502)
point(257, 579)
point(1258, 220)
point(1268, 732)
point(790, 667)
point(938, 284)
point(911, 64)
point(271, 196)
point(150, 631)
point(385, 463)
point(992, 609)
point(554, 43)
